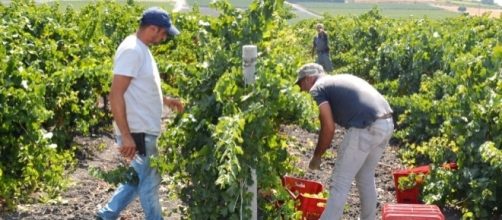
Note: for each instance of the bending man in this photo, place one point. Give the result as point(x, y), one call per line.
point(354, 104)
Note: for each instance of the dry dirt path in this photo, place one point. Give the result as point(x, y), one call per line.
point(474, 11)
point(303, 146)
point(301, 9)
point(86, 193)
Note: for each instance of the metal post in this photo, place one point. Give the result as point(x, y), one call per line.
point(249, 55)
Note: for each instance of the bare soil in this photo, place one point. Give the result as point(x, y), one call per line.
point(87, 194)
point(384, 181)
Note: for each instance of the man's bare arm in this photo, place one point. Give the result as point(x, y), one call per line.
point(327, 129)
point(325, 135)
point(119, 87)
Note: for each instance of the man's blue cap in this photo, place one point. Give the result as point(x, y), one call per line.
point(158, 17)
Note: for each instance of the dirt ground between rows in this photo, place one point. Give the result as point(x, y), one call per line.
point(86, 194)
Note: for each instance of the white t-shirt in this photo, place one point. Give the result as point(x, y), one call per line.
point(143, 97)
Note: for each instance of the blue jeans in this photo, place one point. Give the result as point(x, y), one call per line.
point(357, 158)
point(147, 189)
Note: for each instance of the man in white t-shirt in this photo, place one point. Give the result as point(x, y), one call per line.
point(137, 101)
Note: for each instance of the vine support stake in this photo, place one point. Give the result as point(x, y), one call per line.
point(249, 56)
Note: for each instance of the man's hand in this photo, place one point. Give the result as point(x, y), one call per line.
point(315, 163)
point(175, 104)
point(128, 148)
point(325, 135)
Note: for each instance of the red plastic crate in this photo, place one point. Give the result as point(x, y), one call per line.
point(409, 195)
point(411, 212)
point(311, 207)
point(297, 186)
point(412, 195)
point(405, 172)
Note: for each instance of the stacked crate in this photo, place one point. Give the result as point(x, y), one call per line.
point(412, 195)
point(409, 205)
point(411, 212)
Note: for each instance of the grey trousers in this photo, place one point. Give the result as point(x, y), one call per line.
point(324, 61)
point(357, 158)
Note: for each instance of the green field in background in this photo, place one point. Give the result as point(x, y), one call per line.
point(393, 10)
point(235, 3)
